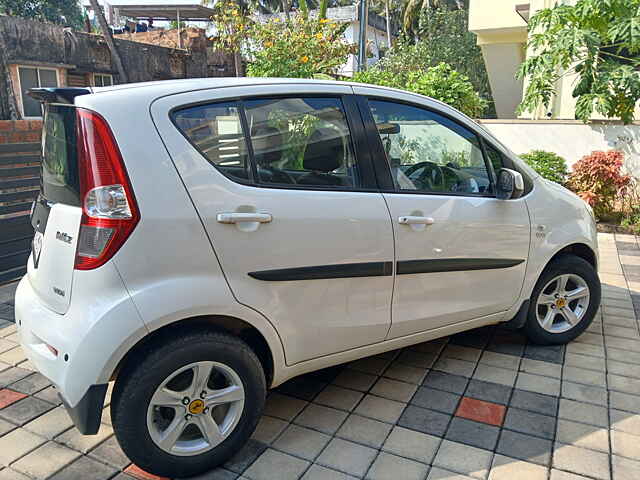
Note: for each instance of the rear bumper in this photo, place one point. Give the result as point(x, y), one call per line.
point(87, 413)
point(100, 323)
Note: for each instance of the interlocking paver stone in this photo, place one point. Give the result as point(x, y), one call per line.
point(424, 420)
point(347, 457)
point(272, 464)
point(324, 419)
point(445, 381)
point(109, 452)
point(283, 406)
point(436, 400)
point(31, 384)
point(535, 402)
point(388, 466)
point(584, 393)
point(394, 390)
point(25, 410)
point(624, 401)
point(16, 444)
point(583, 412)
point(505, 468)
point(489, 392)
point(380, 408)
point(85, 468)
point(473, 433)
point(581, 461)
point(538, 384)
point(317, 472)
point(625, 421)
point(625, 444)
point(440, 474)
point(625, 468)
point(464, 459)
point(525, 447)
point(582, 435)
point(364, 430)
point(411, 444)
point(530, 423)
point(268, 429)
point(51, 424)
point(302, 442)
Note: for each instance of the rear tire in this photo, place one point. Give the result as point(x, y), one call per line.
point(182, 385)
point(563, 302)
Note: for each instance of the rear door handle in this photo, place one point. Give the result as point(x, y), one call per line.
point(244, 217)
point(411, 220)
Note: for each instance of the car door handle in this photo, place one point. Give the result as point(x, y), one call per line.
point(411, 220)
point(244, 217)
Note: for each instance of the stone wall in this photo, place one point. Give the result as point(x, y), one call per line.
point(28, 42)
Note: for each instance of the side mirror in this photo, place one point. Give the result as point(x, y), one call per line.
point(510, 184)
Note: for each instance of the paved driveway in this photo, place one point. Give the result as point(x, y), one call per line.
point(478, 405)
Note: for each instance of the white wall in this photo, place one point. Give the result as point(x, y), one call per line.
point(570, 140)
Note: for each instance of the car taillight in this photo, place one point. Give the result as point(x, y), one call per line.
point(109, 210)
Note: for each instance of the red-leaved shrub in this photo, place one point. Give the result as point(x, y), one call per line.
point(598, 179)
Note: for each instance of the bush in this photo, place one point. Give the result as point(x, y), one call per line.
point(441, 82)
point(551, 166)
point(598, 179)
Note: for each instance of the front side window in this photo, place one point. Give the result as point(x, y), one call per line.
point(32, 77)
point(428, 152)
point(302, 141)
point(216, 131)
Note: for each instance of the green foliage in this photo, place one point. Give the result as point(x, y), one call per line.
point(443, 37)
point(440, 82)
point(551, 166)
point(300, 47)
point(597, 39)
point(599, 180)
point(62, 12)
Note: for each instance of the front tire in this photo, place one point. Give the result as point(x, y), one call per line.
point(186, 405)
point(563, 302)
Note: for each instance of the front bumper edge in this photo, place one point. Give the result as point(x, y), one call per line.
point(86, 415)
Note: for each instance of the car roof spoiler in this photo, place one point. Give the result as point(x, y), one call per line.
point(57, 94)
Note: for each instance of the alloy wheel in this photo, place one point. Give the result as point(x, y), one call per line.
point(196, 408)
point(562, 303)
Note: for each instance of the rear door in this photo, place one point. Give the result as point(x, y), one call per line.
point(461, 252)
point(56, 214)
point(280, 178)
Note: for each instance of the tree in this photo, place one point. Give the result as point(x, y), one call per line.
point(62, 12)
point(231, 20)
point(597, 40)
point(443, 37)
point(108, 36)
point(303, 47)
point(441, 82)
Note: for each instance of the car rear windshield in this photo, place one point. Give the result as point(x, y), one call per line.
point(59, 181)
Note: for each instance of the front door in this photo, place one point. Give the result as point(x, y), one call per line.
point(461, 253)
point(291, 209)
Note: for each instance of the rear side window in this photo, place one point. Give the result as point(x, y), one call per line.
point(60, 181)
point(289, 142)
point(302, 141)
point(216, 131)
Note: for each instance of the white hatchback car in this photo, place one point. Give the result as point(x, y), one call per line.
point(200, 241)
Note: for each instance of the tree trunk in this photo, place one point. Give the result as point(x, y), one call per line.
point(237, 63)
point(386, 14)
point(109, 38)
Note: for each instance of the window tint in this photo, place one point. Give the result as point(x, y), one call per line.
point(495, 157)
point(216, 131)
point(302, 141)
point(428, 152)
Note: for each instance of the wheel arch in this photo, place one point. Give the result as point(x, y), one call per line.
point(222, 323)
point(581, 250)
